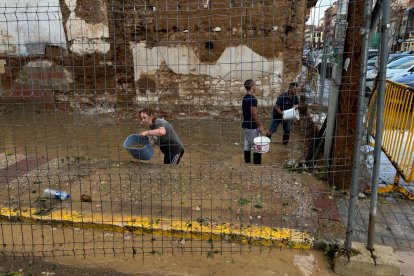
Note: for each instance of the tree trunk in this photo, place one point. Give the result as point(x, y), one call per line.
point(341, 159)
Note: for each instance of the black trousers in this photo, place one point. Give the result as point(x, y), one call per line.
point(173, 158)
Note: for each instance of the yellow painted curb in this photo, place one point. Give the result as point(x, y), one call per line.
point(244, 234)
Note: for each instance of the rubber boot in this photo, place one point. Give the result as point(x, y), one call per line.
point(285, 139)
point(257, 158)
point(247, 156)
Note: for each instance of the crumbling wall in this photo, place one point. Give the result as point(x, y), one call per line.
point(190, 57)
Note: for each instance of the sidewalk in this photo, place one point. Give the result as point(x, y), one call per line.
point(394, 226)
point(394, 221)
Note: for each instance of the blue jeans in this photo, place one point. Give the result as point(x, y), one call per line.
point(275, 123)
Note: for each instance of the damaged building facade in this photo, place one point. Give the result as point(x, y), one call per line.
point(187, 57)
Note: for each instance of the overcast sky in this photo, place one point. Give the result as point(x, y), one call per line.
point(318, 11)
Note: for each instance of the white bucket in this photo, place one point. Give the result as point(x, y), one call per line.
point(261, 144)
point(290, 114)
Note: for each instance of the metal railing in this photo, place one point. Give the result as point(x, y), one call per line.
point(398, 131)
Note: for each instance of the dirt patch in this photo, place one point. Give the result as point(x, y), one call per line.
point(9, 158)
point(249, 196)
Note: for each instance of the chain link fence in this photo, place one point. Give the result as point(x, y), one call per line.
point(74, 76)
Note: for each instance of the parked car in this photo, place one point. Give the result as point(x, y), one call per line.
point(372, 63)
point(406, 79)
point(372, 53)
point(393, 57)
point(398, 66)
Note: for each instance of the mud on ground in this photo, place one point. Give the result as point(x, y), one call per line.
point(107, 253)
point(249, 195)
point(212, 185)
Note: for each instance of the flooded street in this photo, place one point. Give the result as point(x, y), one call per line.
point(61, 134)
point(211, 187)
point(84, 155)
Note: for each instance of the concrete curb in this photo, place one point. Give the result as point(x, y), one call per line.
point(383, 261)
point(244, 234)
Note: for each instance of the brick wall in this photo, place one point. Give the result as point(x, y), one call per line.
point(190, 57)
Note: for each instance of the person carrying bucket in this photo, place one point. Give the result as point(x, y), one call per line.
point(251, 125)
point(287, 100)
point(166, 137)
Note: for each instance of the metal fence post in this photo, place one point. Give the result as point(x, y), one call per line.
point(379, 121)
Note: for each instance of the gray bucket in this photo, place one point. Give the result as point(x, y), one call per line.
point(144, 153)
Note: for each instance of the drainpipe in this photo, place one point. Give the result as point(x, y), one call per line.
point(340, 34)
point(360, 114)
point(379, 121)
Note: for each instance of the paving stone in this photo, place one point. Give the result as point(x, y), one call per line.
point(361, 237)
point(408, 228)
point(403, 243)
point(379, 218)
point(400, 216)
point(395, 209)
point(391, 220)
point(408, 210)
point(405, 222)
point(399, 235)
point(411, 218)
point(384, 208)
point(394, 222)
point(383, 229)
point(389, 241)
point(396, 228)
point(378, 239)
point(409, 235)
point(360, 225)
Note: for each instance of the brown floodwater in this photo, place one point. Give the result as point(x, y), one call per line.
point(61, 251)
point(85, 156)
point(59, 134)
